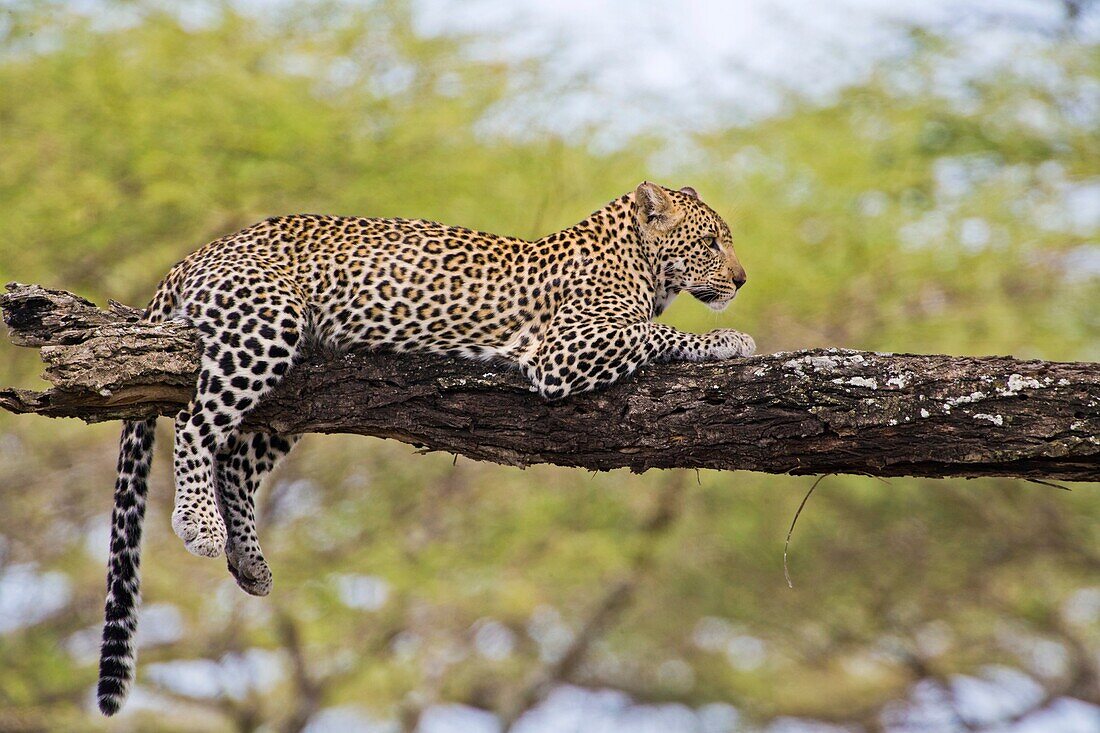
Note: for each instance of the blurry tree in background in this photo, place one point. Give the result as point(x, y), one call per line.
point(944, 204)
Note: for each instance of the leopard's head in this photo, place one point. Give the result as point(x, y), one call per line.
point(693, 246)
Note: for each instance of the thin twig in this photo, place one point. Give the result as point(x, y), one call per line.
point(786, 571)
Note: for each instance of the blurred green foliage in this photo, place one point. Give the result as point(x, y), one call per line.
point(894, 219)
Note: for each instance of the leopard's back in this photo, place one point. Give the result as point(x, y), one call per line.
point(400, 284)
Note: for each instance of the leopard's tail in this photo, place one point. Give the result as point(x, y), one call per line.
point(116, 661)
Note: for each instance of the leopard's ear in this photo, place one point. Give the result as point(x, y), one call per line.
point(656, 212)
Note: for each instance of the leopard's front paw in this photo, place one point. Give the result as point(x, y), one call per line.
point(748, 345)
point(730, 344)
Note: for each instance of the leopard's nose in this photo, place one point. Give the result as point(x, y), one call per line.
point(740, 278)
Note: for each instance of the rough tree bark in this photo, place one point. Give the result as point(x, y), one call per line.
point(821, 411)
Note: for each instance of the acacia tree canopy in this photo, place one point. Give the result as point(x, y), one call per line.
point(901, 215)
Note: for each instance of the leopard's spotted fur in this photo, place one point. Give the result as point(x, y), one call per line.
point(572, 310)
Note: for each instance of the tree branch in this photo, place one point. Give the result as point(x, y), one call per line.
point(821, 411)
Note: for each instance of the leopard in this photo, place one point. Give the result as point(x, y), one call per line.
point(573, 311)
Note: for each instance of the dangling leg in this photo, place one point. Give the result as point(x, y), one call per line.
point(243, 463)
point(242, 360)
point(195, 518)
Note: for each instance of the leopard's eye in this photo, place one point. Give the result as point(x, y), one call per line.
point(715, 244)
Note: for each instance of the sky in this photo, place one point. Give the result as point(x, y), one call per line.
point(697, 65)
point(648, 66)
